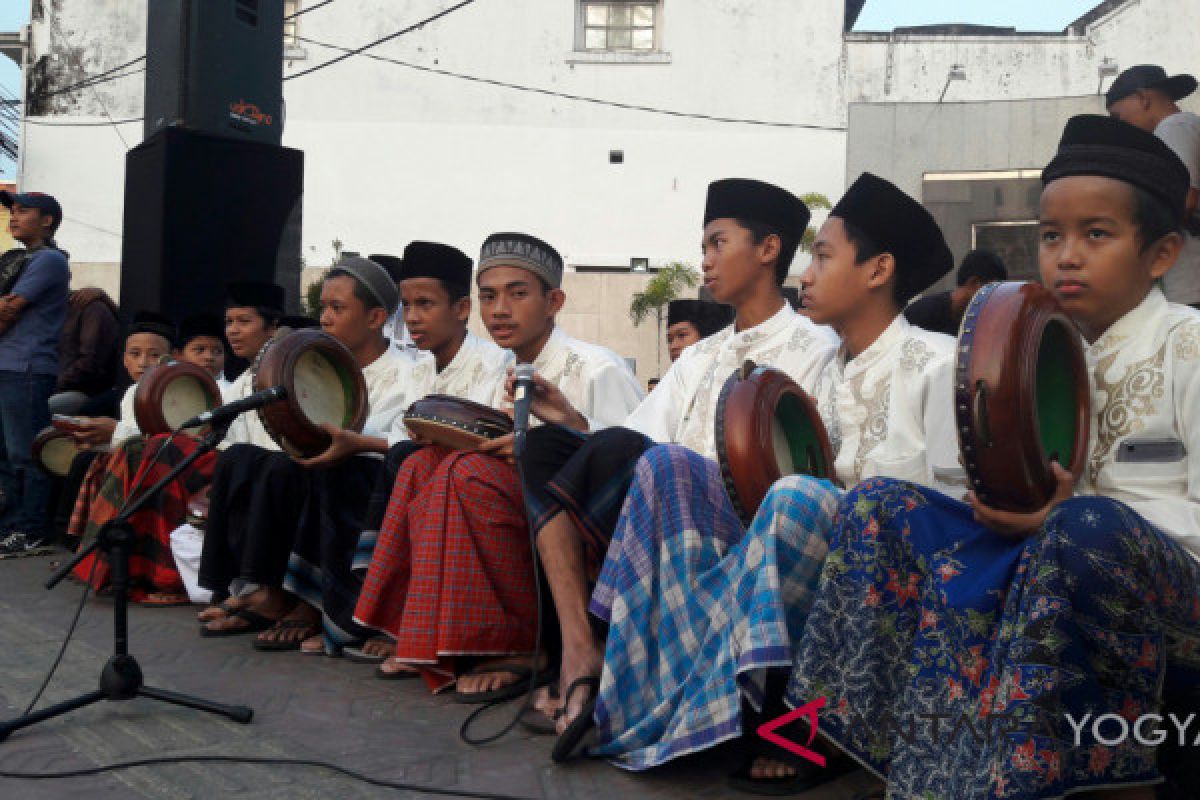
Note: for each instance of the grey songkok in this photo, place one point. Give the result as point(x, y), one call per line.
point(523, 251)
point(374, 277)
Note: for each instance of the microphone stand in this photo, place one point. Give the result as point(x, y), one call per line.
point(121, 678)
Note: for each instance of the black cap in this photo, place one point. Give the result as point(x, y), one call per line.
point(153, 322)
point(433, 260)
point(201, 325)
point(765, 203)
point(254, 294)
point(392, 264)
point(1149, 76)
point(899, 225)
point(38, 200)
point(1106, 146)
point(707, 317)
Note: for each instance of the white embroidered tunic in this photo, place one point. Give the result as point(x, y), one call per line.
point(1144, 445)
point(889, 411)
point(476, 373)
point(682, 409)
point(127, 426)
point(596, 380)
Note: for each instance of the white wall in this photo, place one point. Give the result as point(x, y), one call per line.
point(394, 154)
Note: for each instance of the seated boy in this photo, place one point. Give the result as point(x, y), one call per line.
point(1020, 630)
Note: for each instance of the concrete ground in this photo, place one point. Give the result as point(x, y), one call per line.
point(305, 707)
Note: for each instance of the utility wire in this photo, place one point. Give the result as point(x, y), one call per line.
point(359, 50)
point(567, 96)
point(55, 29)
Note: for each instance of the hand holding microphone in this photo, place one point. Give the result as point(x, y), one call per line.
point(543, 399)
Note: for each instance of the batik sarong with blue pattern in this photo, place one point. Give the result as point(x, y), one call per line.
point(950, 657)
point(699, 606)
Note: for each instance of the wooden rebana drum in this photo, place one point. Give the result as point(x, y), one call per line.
point(455, 423)
point(1022, 397)
point(767, 427)
point(170, 394)
point(54, 450)
point(324, 385)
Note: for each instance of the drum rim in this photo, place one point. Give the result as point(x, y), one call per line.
point(44, 437)
point(301, 342)
point(485, 429)
point(1037, 310)
point(151, 389)
point(777, 384)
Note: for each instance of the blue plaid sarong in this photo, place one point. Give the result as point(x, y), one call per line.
point(698, 606)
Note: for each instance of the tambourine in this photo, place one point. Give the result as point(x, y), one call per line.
point(455, 423)
point(1021, 395)
point(324, 384)
point(767, 427)
point(54, 450)
point(170, 394)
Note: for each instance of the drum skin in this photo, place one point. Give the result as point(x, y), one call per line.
point(1021, 395)
point(455, 423)
point(324, 384)
point(767, 427)
point(170, 394)
point(54, 450)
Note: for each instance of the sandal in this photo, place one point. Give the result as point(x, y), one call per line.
point(164, 600)
point(358, 653)
point(537, 722)
point(396, 675)
point(509, 690)
point(305, 628)
point(255, 622)
point(571, 738)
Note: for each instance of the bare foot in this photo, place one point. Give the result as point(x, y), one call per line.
point(272, 604)
point(546, 701)
point(313, 645)
point(485, 680)
point(394, 666)
point(765, 769)
point(579, 661)
point(379, 646)
point(302, 622)
point(230, 605)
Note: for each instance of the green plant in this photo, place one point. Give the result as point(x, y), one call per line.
point(660, 290)
point(312, 299)
point(814, 201)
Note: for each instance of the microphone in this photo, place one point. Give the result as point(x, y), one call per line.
point(230, 411)
point(522, 398)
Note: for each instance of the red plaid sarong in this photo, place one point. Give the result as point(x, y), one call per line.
point(79, 528)
point(133, 468)
point(452, 572)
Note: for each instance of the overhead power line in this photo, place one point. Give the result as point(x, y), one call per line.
point(567, 96)
point(359, 50)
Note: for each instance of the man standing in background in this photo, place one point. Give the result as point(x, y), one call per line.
point(1144, 96)
point(942, 312)
point(33, 307)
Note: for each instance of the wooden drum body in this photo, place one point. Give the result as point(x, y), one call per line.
point(170, 394)
point(767, 427)
point(455, 423)
point(1022, 397)
point(324, 385)
point(54, 450)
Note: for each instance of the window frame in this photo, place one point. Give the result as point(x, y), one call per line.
point(581, 28)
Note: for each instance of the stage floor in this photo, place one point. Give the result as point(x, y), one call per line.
point(305, 707)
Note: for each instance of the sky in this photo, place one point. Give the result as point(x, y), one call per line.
point(1027, 15)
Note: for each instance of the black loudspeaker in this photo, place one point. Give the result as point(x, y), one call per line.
point(216, 66)
point(201, 211)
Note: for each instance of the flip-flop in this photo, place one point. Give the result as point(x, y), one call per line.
point(536, 722)
point(509, 690)
point(570, 739)
point(227, 606)
point(310, 629)
point(175, 600)
point(398, 675)
point(808, 775)
point(357, 654)
point(257, 623)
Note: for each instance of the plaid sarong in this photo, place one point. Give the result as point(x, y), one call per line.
point(453, 572)
point(698, 606)
point(132, 468)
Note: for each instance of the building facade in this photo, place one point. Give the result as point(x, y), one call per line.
point(596, 125)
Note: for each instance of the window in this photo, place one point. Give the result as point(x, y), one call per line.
point(619, 25)
point(290, 30)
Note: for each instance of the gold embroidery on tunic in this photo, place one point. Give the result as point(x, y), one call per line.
point(1187, 344)
point(875, 427)
point(915, 355)
point(1125, 403)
